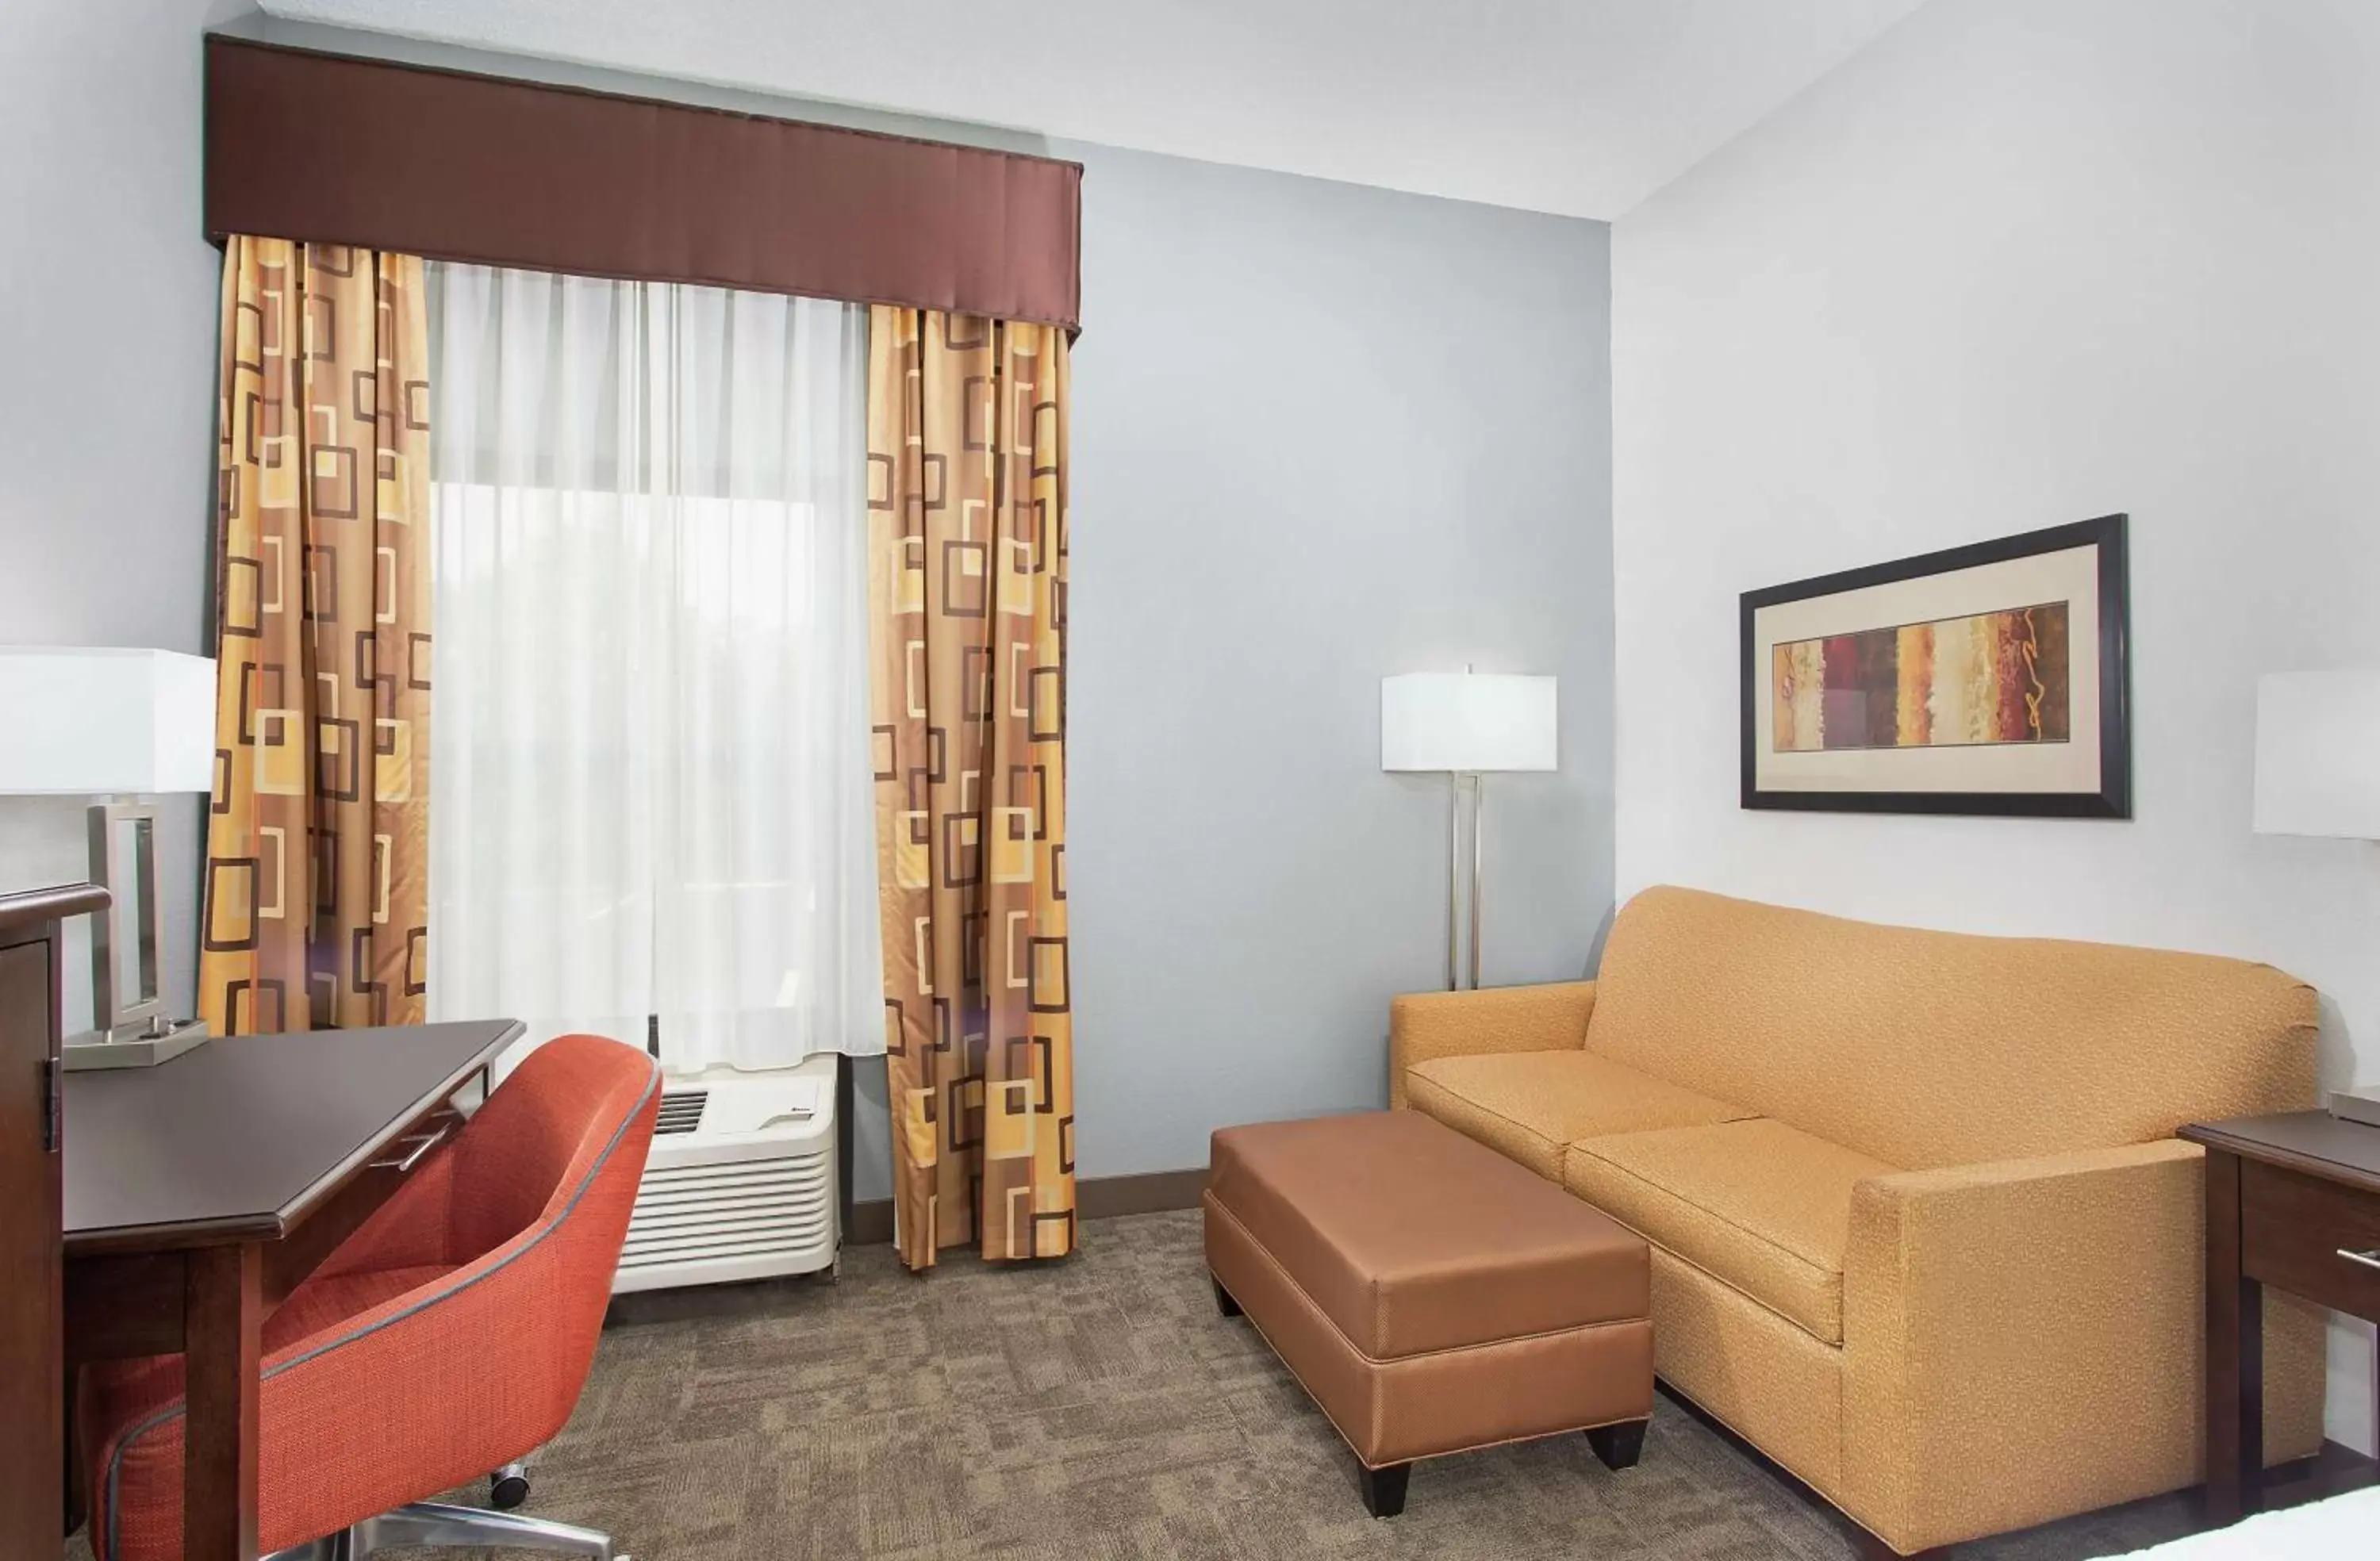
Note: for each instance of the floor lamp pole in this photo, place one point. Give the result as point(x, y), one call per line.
point(1457, 887)
point(1478, 819)
point(1453, 868)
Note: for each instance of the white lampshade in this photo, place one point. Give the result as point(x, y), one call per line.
point(2318, 755)
point(1466, 721)
point(93, 722)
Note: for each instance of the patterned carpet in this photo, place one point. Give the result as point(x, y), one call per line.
point(1099, 1409)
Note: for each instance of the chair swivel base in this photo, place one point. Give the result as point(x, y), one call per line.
point(437, 1524)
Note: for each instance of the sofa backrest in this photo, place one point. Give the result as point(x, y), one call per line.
point(1936, 1049)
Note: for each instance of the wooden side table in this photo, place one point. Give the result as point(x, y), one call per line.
point(2292, 1201)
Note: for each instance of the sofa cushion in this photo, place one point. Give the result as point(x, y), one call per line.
point(1530, 1105)
point(1760, 1206)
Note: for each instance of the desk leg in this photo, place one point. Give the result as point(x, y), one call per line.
point(2235, 1355)
point(223, 1311)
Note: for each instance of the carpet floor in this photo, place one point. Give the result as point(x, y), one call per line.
point(1097, 1409)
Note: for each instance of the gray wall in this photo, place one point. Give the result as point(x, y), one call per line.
point(1322, 433)
point(107, 407)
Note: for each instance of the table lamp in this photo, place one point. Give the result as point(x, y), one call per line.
point(1465, 724)
point(122, 726)
point(2318, 773)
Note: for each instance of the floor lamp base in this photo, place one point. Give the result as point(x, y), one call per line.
point(130, 1047)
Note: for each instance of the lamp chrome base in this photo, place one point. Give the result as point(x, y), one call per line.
point(130, 1047)
point(2356, 1106)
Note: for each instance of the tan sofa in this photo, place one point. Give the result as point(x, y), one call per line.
point(1920, 1229)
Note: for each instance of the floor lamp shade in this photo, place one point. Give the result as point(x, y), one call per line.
point(2318, 755)
point(1467, 722)
point(100, 722)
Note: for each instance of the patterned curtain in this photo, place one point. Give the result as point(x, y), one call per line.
point(966, 497)
point(317, 843)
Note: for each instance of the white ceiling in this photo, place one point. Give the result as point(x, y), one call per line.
point(1577, 106)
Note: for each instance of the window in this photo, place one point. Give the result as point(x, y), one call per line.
point(652, 790)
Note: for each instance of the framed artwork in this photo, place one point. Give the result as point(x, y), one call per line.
point(1984, 679)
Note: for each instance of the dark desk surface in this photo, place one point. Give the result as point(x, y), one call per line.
point(238, 1139)
point(2313, 1141)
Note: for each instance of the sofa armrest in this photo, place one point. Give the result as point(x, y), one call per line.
point(2022, 1339)
point(1424, 1026)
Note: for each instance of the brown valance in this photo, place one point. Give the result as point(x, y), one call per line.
point(453, 165)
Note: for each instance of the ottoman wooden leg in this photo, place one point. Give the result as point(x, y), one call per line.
point(1223, 1301)
point(1384, 1489)
point(1618, 1445)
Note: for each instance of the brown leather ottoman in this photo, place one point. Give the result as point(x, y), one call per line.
point(1431, 1295)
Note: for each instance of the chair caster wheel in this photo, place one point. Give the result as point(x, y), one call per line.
point(508, 1487)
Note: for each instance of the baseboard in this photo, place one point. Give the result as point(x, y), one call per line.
point(870, 1222)
point(1096, 1197)
point(1104, 1197)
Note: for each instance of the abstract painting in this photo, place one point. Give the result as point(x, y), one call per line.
point(1984, 679)
point(1989, 677)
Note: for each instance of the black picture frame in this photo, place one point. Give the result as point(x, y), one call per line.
point(2112, 800)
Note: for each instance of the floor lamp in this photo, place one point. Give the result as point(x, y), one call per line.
point(2318, 773)
point(1463, 725)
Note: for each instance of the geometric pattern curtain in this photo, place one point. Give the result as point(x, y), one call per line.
point(966, 497)
point(317, 845)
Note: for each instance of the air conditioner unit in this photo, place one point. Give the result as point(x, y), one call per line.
point(741, 1184)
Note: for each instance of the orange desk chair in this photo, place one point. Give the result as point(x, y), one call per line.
point(448, 1336)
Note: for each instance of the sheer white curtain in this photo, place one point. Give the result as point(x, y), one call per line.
point(651, 788)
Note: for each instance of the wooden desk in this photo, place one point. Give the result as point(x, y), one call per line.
point(200, 1193)
point(2292, 1201)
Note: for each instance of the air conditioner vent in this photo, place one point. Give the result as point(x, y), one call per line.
point(740, 1183)
point(681, 1110)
